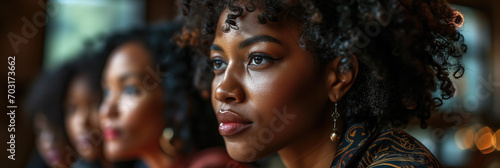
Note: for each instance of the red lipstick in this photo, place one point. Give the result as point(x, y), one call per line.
point(231, 123)
point(110, 133)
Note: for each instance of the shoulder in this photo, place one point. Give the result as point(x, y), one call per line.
point(395, 148)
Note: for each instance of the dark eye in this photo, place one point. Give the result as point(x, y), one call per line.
point(105, 93)
point(218, 64)
point(71, 108)
point(259, 59)
point(131, 90)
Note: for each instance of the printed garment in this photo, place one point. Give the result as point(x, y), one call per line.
point(390, 147)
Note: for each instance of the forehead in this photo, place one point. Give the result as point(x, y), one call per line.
point(249, 26)
point(80, 82)
point(129, 56)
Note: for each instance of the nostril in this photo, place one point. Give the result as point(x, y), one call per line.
point(230, 99)
point(229, 90)
point(226, 96)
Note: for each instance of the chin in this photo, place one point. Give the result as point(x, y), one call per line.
point(244, 152)
point(116, 156)
point(90, 157)
point(113, 153)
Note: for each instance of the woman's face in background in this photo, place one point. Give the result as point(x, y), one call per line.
point(51, 144)
point(267, 91)
point(131, 113)
point(82, 119)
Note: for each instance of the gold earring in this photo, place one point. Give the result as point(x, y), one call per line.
point(165, 142)
point(335, 115)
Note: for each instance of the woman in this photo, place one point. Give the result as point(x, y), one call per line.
point(83, 96)
point(64, 103)
point(45, 103)
point(327, 83)
point(150, 109)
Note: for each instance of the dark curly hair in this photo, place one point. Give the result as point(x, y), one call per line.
point(186, 112)
point(406, 49)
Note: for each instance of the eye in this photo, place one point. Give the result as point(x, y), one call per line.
point(257, 60)
point(71, 108)
point(260, 59)
point(105, 93)
point(131, 90)
point(218, 64)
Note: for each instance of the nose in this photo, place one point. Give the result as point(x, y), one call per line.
point(109, 108)
point(230, 89)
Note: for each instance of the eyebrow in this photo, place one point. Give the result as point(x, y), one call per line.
point(249, 42)
point(129, 75)
point(256, 39)
point(216, 48)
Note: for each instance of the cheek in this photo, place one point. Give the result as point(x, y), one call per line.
point(284, 103)
point(142, 119)
point(127, 104)
point(70, 123)
point(72, 126)
point(295, 88)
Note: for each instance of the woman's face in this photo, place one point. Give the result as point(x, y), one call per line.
point(132, 110)
point(267, 92)
point(51, 143)
point(82, 119)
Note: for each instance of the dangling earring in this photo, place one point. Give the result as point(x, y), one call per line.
point(335, 115)
point(165, 142)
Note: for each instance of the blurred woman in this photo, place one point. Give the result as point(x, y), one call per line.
point(82, 98)
point(45, 103)
point(150, 109)
point(65, 105)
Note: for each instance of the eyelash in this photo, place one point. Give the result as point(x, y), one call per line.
point(252, 55)
point(128, 90)
point(105, 92)
point(131, 90)
point(213, 61)
point(71, 108)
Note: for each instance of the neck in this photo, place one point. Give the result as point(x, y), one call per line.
point(157, 159)
point(106, 163)
point(313, 150)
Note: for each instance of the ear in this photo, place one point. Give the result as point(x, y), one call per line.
point(340, 75)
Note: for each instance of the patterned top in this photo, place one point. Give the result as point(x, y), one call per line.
point(390, 147)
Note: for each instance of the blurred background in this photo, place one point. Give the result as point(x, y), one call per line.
point(465, 133)
point(51, 32)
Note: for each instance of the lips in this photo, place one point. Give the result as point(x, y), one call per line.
point(110, 133)
point(84, 141)
point(231, 123)
point(53, 156)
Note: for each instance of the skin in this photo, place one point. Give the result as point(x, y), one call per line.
point(82, 119)
point(51, 143)
point(256, 80)
point(130, 108)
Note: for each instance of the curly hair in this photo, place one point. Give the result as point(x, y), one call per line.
point(408, 50)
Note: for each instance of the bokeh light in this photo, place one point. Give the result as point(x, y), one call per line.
point(465, 138)
point(485, 140)
point(497, 136)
